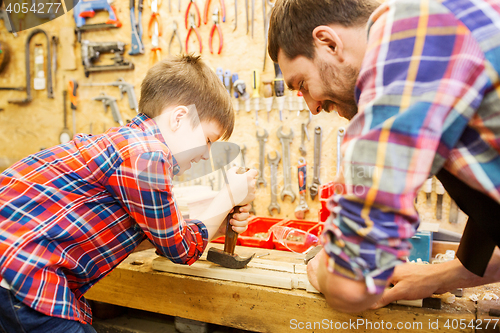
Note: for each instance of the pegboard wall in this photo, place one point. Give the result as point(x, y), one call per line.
point(25, 129)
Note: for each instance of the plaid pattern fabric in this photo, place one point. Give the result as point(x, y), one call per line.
point(71, 213)
point(428, 96)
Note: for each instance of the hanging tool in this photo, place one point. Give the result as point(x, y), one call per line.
point(256, 94)
point(50, 91)
point(235, 15)
point(262, 142)
point(155, 30)
point(54, 43)
point(92, 50)
point(240, 91)
point(65, 135)
point(73, 98)
point(279, 89)
point(216, 25)
point(111, 102)
point(207, 8)
point(303, 136)
point(253, 14)
point(286, 141)
point(4, 56)
point(39, 79)
point(313, 189)
point(340, 138)
point(137, 46)
point(227, 81)
point(302, 208)
point(192, 27)
point(175, 33)
point(267, 18)
point(125, 88)
point(227, 258)
point(273, 163)
point(7, 22)
point(428, 190)
point(188, 15)
point(267, 92)
point(246, 15)
point(439, 203)
point(86, 9)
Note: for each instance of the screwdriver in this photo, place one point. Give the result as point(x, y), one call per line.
point(72, 88)
point(267, 92)
point(279, 88)
point(256, 94)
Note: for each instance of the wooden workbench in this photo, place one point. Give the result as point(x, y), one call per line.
point(135, 284)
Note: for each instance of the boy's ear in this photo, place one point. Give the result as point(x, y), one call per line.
point(177, 115)
point(325, 38)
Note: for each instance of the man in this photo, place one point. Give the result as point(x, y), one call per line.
point(420, 82)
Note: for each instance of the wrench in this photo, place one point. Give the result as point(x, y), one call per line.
point(304, 134)
point(313, 189)
point(262, 155)
point(243, 151)
point(286, 140)
point(273, 162)
point(302, 208)
point(340, 137)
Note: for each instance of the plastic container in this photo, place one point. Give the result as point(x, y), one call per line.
point(300, 244)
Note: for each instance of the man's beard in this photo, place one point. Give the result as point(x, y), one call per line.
point(345, 80)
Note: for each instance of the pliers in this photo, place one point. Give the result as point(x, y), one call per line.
point(215, 19)
point(187, 15)
point(175, 33)
point(155, 18)
point(192, 27)
point(207, 8)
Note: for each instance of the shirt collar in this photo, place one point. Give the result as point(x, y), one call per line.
point(149, 126)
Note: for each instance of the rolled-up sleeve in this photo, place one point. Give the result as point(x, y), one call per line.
point(143, 183)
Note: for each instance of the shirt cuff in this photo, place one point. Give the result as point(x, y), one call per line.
point(200, 242)
point(359, 257)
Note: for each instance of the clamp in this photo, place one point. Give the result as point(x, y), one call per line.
point(155, 18)
point(207, 7)
point(175, 33)
point(187, 15)
point(192, 27)
point(215, 19)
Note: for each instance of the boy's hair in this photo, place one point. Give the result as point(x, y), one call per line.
point(187, 80)
point(293, 21)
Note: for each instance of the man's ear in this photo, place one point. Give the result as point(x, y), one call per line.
point(177, 116)
point(326, 38)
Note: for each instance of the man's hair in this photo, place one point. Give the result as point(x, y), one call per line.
point(187, 80)
point(293, 21)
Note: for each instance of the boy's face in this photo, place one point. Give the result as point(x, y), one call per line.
point(193, 144)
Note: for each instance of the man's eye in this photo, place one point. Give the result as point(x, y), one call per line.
point(301, 86)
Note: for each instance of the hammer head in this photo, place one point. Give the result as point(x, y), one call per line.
point(227, 260)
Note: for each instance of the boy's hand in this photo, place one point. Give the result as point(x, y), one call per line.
point(238, 221)
point(242, 186)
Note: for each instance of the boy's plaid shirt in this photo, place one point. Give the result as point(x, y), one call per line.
point(70, 214)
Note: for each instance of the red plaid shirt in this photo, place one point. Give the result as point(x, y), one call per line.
point(72, 213)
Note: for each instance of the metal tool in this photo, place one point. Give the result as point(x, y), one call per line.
point(215, 26)
point(235, 14)
point(137, 47)
point(256, 94)
point(313, 189)
point(267, 93)
point(286, 140)
point(279, 89)
point(192, 27)
point(340, 138)
point(155, 30)
point(73, 98)
point(7, 22)
point(273, 163)
point(86, 9)
point(54, 43)
point(125, 88)
point(207, 8)
point(246, 15)
point(92, 50)
point(227, 81)
point(65, 135)
point(240, 91)
point(262, 141)
point(227, 258)
point(267, 18)
point(175, 33)
point(188, 15)
point(111, 102)
point(50, 90)
point(439, 203)
point(304, 134)
point(302, 208)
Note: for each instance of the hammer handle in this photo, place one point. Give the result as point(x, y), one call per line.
point(231, 235)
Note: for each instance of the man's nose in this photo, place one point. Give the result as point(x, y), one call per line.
point(313, 105)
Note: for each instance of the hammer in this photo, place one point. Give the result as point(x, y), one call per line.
point(227, 258)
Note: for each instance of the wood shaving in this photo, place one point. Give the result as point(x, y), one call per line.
point(474, 297)
point(448, 298)
point(489, 296)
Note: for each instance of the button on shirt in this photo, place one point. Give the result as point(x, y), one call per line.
point(71, 213)
point(428, 97)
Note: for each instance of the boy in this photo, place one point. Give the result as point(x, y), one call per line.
point(70, 214)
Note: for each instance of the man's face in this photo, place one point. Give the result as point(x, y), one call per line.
point(325, 86)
